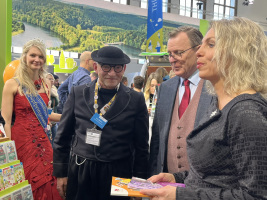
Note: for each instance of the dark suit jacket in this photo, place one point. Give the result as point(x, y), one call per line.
point(162, 121)
point(124, 136)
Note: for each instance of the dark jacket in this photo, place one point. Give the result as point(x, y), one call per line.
point(125, 134)
point(227, 152)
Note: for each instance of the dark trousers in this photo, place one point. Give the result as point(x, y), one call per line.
point(92, 179)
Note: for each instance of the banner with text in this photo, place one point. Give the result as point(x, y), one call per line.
point(154, 26)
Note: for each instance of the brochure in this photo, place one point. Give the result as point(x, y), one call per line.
point(131, 187)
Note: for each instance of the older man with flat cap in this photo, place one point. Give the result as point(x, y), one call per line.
point(103, 132)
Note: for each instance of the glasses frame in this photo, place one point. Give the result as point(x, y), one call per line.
point(110, 66)
point(180, 54)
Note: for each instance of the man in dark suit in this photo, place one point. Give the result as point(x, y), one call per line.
point(182, 101)
point(107, 123)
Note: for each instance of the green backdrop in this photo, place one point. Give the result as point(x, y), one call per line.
point(5, 41)
point(6, 36)
point(203, 26)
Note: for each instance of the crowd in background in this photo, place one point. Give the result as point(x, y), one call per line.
point(203, 123)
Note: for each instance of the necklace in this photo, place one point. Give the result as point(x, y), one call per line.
point(106, 107)
point(38, 83)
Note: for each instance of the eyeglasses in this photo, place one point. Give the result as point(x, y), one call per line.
point(107, 67)
point(180, 54)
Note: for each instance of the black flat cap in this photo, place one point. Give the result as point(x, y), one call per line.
point(110, 55)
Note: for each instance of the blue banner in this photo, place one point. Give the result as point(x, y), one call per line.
point(154, 26)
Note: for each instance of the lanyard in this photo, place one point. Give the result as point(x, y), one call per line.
point(105, 107)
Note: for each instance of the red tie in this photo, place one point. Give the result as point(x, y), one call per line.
point(185, 100)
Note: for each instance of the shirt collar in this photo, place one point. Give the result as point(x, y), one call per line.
point(194, 79)
point(81, 68)
point(117, 87)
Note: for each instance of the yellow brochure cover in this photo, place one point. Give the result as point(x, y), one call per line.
point(119, 187)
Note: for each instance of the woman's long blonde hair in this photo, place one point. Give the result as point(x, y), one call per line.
point(22, 73)
point(241, 55)
point(153, 75)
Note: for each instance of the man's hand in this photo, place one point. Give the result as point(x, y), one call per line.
point(165, 193)
point(162, 177)
point(62, 187)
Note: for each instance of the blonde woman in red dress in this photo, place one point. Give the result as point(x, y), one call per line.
point(27, 96)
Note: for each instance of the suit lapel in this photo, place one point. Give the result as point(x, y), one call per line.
point(87, 93)
point(121, 102)
point(170, 95)
point(205, 101)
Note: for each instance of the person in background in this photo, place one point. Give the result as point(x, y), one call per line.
point(162, 74)
point(138, 83)
point(150, 89)
point(103, 132)
point(56, 81)
point(54, 99)
point(54, 95)
point(171, 74)
point(124, 81)
point(27, 94)
point(182, 101)
point(150, 94)
point(93, 76)
point(227, 150)
point(80, 77)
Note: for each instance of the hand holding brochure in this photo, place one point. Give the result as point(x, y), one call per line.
point(131, 187)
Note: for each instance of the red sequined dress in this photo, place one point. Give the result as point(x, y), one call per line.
point(34, 149)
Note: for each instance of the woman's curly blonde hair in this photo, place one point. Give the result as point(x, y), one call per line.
point(241, 55)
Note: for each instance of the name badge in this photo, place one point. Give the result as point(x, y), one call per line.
point(93, 137)
point(99, 120)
